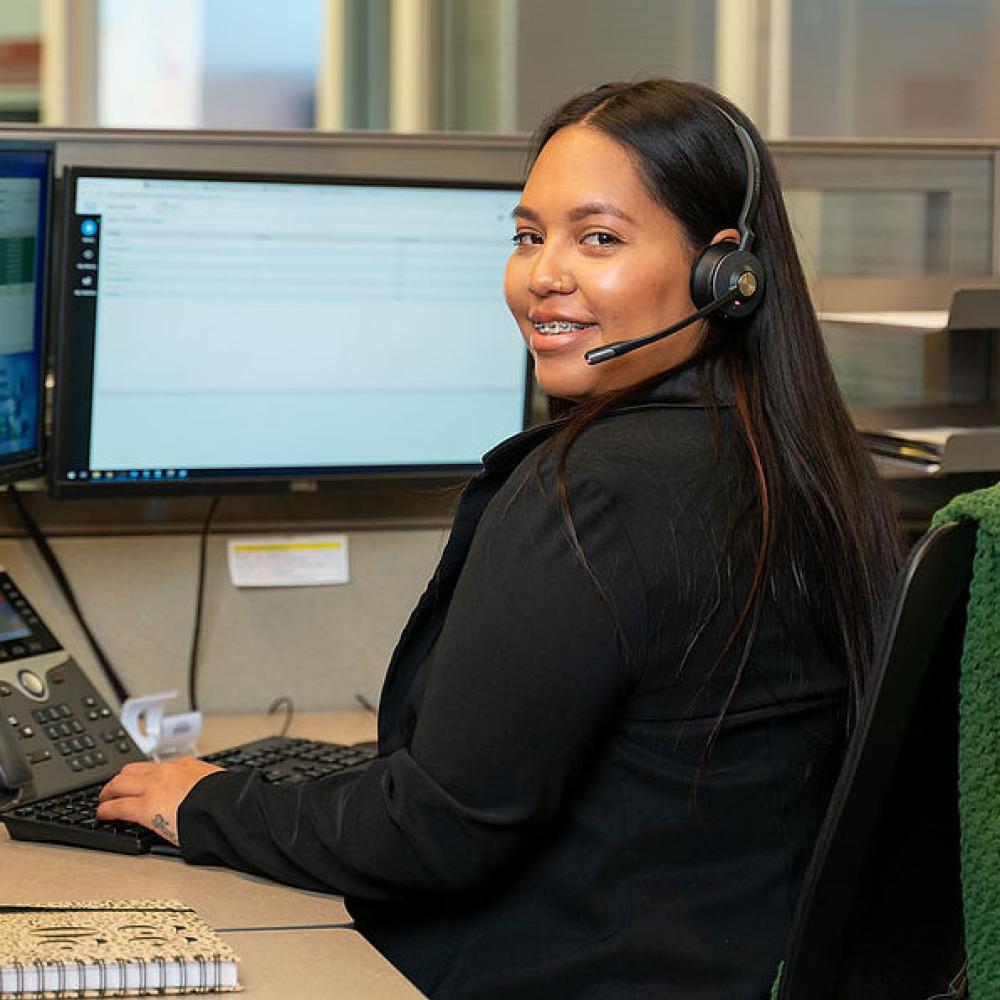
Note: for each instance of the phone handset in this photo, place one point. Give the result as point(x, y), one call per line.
point(15, 772)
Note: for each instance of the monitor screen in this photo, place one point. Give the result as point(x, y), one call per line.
point(25, 184)
point(227, 331)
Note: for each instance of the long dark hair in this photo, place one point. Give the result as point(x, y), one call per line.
point(818, 499)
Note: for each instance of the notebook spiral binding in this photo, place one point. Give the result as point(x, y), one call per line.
point(209, 978)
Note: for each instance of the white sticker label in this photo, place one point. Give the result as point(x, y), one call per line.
point(289, 561)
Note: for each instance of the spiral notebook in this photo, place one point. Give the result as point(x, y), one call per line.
point(111, 948)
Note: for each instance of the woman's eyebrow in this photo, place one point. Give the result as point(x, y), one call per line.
point(576, 214)
point(523, 212)
point(597, 208)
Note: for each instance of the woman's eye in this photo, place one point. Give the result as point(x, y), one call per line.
point(525, 239)
point(601, 239)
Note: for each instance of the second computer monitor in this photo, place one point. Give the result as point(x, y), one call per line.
point(221, 331)
point(25, 184)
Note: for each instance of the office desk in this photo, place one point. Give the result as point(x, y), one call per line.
point(291, 942)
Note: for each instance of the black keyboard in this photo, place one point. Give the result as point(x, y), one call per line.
point(69, 818)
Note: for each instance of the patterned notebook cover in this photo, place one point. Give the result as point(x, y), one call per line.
point(111, 948)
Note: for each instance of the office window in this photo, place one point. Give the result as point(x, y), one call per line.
point(223, 64)
point(498, 65)
point(598, 41)
point(895, 68)
point(801, 68)
point(830, 68)
point(20, 60)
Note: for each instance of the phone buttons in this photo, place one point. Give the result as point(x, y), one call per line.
point(32, 684)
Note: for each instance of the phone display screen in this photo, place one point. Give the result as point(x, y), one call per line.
point(11, 624)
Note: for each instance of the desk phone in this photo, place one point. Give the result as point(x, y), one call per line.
point(60, 742)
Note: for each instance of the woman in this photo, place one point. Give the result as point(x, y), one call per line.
point(610, 729)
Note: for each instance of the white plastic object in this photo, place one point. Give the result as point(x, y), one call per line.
point(157, 735)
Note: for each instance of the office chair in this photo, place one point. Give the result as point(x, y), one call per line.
point(880, 912)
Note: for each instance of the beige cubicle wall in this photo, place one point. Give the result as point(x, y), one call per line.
point(320, 646)
point(881, 225)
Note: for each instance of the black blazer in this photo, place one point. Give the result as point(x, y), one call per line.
point(546, 817)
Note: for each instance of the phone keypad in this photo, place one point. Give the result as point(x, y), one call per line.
point(70, 737)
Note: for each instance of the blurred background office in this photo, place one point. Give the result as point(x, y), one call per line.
point(834, 68)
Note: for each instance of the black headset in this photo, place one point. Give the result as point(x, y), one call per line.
point(727, 278)
point(727, 266)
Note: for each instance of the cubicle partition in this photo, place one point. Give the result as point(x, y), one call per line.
point(881, 227)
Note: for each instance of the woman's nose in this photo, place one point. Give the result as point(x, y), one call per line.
point(549, 274)
point(550, 281)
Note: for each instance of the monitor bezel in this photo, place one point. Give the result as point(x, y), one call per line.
point(31, 463)
point(282, 480)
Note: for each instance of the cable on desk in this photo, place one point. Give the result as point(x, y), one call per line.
point(365, 703)
point(50, 559)
point(286, 703)
point(198, 606)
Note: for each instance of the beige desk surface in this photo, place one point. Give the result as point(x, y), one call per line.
point(293, 943)
point(315, 964)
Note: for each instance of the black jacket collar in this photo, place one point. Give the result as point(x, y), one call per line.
point(693, 386)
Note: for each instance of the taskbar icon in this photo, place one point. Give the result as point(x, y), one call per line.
point(125, 475)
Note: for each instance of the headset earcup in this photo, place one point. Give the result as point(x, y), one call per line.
point(717, 270)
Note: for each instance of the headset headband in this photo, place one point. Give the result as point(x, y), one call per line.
point(748, 214)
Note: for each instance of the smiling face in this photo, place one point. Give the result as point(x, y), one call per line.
point(596, 259)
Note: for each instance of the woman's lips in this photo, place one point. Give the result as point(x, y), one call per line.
point(558, 334)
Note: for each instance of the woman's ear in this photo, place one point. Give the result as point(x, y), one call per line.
point(726, 234)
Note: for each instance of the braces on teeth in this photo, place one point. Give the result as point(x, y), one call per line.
point(560, 326)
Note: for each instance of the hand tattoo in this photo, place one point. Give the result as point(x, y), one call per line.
point(164, 829)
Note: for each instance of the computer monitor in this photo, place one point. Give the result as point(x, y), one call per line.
point(25, 193)
point(224, 331)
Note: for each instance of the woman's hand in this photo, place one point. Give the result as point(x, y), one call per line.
point(150, 794)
